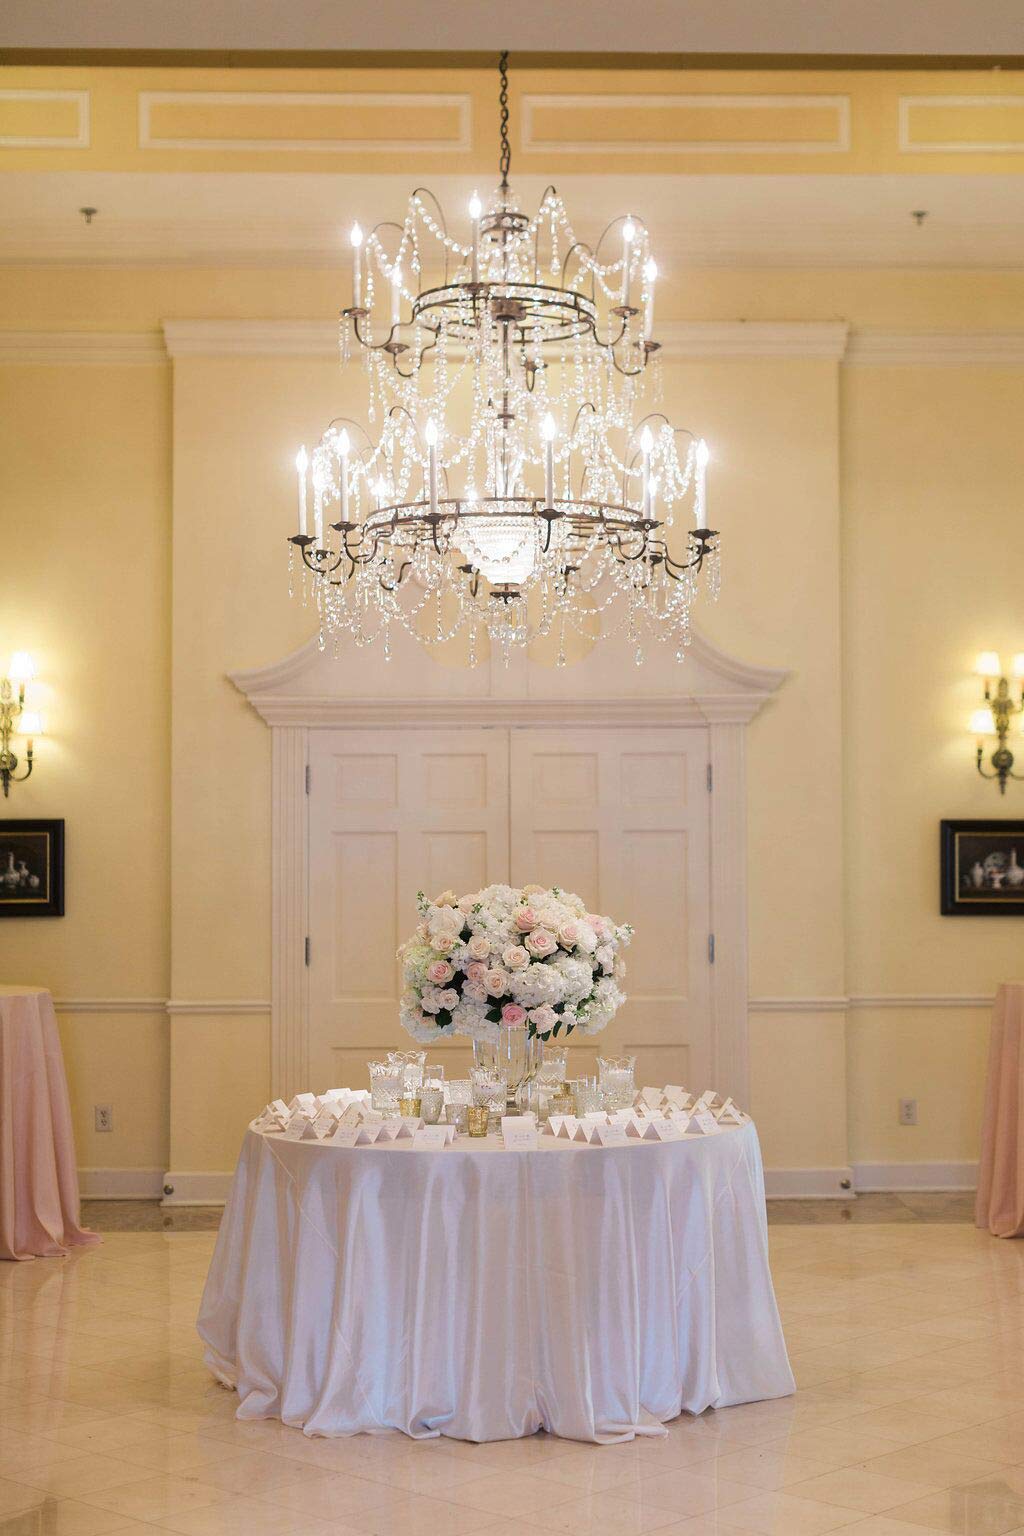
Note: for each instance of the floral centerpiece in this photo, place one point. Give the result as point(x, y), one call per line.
point(533, 957)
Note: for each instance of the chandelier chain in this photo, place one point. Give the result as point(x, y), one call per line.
point(505, 162)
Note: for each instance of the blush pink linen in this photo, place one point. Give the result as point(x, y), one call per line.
point(1000, 1202)
point(39, 1212)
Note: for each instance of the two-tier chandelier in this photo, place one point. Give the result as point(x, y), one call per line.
point(515, 488)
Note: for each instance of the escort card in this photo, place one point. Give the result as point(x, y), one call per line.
point(568, 1125)
point(431, 1138)
point(519, 1133)
point(613, 1135)
point(343, 1136)
point(303, 1101)
point(677, 1096)
point(652, 1097)
point(351, 1115)
point(669, 1130)
point(324, 1123)
point(299, 1128)
point(703, 1123)
point(278, 1108)
point(729, 1114)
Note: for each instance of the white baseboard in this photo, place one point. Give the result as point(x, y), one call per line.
point(120, 1183)
point(872, 1177)
point(808, 1183)
point(196, 1188)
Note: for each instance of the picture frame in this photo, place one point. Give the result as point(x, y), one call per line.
point(982, 868)
point(31, 868)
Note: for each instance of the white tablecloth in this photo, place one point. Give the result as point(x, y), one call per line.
point(484, 1294)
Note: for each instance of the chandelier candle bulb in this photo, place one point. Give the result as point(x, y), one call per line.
point(476, 208)
point(548, 430)
point(628, 232)
point(318, 510)
point(343, 448)
point(430, 433)
point(356, 238)
point(646, 444)
point(701, 485)
point(651, 274)
point(301, 462)
point(396, 294)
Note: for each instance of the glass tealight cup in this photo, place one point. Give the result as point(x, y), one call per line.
point(477, 1117)
point(385, 1086)
point(431, 1102)
point(410, 1064)
point(409, 1107)
point(617, 1078)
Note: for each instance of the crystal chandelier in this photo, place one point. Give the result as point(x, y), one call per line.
point(511, 486)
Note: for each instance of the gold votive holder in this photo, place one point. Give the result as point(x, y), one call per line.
point(476, 1119)
point(409, 1108)
point(563, 1102)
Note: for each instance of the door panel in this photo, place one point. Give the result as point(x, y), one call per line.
point(390, 813)
point(621, 817)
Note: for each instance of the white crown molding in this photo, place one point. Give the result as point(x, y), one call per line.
point(107, 349)
point(882, 349)
point(679, 338)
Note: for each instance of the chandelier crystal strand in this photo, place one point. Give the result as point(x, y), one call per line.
point(512, 486)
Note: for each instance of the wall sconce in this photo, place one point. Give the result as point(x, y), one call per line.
point(16, 720)
point(1000, 709)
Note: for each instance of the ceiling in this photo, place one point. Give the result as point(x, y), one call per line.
point(733, 221)
point(919, 28)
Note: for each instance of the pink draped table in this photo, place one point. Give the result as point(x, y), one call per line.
point(39, 1212)
point(1000, 1203)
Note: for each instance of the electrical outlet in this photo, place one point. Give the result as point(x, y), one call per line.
point(908, 1111)
point(104, 1116)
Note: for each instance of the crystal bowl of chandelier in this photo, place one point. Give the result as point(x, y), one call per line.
point(512, 480)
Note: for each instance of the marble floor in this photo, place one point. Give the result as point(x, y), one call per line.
point(907, 1339)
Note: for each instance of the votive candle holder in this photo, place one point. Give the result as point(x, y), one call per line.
point(476, 1119)
point(409, 1107)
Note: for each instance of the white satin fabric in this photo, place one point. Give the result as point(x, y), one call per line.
point(484, 1294)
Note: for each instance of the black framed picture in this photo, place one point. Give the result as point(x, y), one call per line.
point(31, 869)
point(983, 868)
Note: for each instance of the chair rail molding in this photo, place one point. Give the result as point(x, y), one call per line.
point(308, 690)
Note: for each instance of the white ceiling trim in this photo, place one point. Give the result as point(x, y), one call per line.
point(118, 349)
point(875, 349)
point(680, 338)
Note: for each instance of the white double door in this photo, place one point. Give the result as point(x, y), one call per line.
point(619, 816)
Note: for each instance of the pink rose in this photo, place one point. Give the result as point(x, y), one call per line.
point(449, 998)
point(474, 992)
point(515, 957)
point(568, 934)
point(445, 942)
point(599, 925)
point(544, 1018)
point(476, 971)
point(439, 971)
point(540, 943)
point(513, 1015)
point(479, 946)
point(525, 919)
point(496, 981)
point(605, 956)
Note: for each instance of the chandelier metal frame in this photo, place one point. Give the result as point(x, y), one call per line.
point(504, 559)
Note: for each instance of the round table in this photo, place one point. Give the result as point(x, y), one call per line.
point(38, 1177)
point(595, 1292)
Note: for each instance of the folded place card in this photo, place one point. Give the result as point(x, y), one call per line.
point(567, 1126)
point(652, 1097)
point(407, 1128)
point(613, 1135)
point(369, 1132)
point(299, 1128)
point(595, 1117)
point(278, 1108)
point(702, 1123)
point(670, 1130)
point(351, 1115)
point(519, 1133)
point(729, 1114)
point(303, 1101)
point(343, 1136)
point(677, 1096)
point(431, 1138)
point(324, 1122)
point(711, 1098)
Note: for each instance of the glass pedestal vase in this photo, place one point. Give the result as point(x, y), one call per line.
point(515, 1056)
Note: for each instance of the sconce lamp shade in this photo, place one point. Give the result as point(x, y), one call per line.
point(982, 723)
point(30, 724)
point(22, 668)
point(1017, 665)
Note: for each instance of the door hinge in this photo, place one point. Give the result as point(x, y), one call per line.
point(711, 949)
point(711, 778)
point(307, 949)
point(309, 777)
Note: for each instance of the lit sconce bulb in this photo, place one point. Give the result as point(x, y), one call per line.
point(650, 269)
point(700, 489)
point(476, 207)
point(356, 237)
point(343, 451)
point(703, 454)
point(629, 232)
point(982, 723)
point(301, 465)
point(988, 664)
point(22, 668)
point(302, 461)
point(650, 273)
point(1017, 664)
point(344, 443)
point(646, 440)
point(30, 724)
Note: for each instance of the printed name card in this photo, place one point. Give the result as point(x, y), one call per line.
point(432, 1138)
point(324, 1123)
point(519, 1133)
point(677, 1096)
point(652, 1097)
point(343, 1136)
point(278, 1108)
point(702, 1123)
point(729, 1114)
point(613, 1135)
point(299, 1128)
point(565, 1126)
point(304, 1101)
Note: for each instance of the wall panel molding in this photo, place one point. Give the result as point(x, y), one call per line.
point(698, 120)
point(120, 1183)
point(962, 125)
point(46, 138)
point(895, 1001)
point(935, 348)
point(220, 119)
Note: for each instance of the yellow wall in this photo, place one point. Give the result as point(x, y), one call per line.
point(872, 520)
